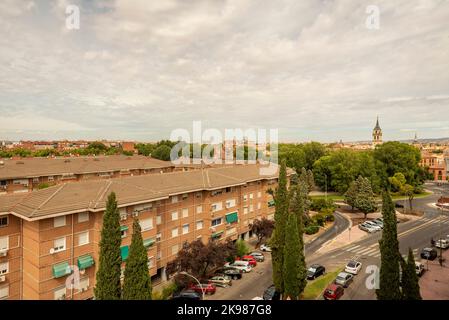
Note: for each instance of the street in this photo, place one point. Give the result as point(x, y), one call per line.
point(415, 234)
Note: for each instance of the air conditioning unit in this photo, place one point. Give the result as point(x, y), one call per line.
point(3, 253)
point(2, 278)
point(82, 271)
point(52, 250)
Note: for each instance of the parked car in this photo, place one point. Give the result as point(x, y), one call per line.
point(333, 292)
point(314, 271)
point(428, 253)
point(271, 294)
point(250, 259)
point(258, 256)
point(208, 288)
point(266, 248)
point(353, 267)
point(234, 273)
point(373, 225)
point(398, 205)
point(442, 243)
point(241, 265)
point(221, 281)
point(344, 279)
point(367, 228)
point(419, 267)
point(187, 295)
point(257, 298)
point(378, 223)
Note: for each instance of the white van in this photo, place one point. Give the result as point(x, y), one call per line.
point(240, 265)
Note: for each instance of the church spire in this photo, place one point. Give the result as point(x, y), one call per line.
point(377, 133)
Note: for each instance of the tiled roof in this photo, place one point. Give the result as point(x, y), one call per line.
point(36, 167)
point(91, 195)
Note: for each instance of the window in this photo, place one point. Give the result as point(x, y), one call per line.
point(158, 237)
point(83, 238)
point(124, 232)
point(60, 293)
point(245, 210)
point(185, 213)
point(35, 180)
point(83, 216)
point(230, 203)
point(259, 205)
point(251, 208)
point(216, 192)
point(146, 224)
point(142, 207)
point(23, 182)
point(159, 255)
point(174, 199)
point(123, 214)
point(4, 243)
point(251, 196)
point(228, 189)
point(158, 219)
point(150, 262)
point(59, 222)
point(245, 197)
point(84, 284)
point(174, 215)
point(198, 195)
point(259, 194)
point(185, 228)
point(59, 244)
point(174, 232)
point(4, 292)
point(199, 209)
point(199, 225)
point(185, 196)
point(216, 206)
point(4, 267)
point(51, 178)
point(216, 222)
point(174, 249)
point(3, 221)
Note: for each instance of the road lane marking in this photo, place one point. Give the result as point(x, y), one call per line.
point(421, 226)
point(352, 248)
point(371, 251)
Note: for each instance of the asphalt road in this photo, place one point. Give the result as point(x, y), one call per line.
point(415, 234)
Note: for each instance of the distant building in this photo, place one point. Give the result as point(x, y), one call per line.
point(128, 146)
point(377, 134)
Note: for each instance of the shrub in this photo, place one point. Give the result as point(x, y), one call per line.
point(42, 185)
point(320, 203)
point(329, 217)
point(311, 229)
point(169, 290)
point(319, 220)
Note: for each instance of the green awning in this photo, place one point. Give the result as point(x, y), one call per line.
point(124, 252)
point(271, 203)
point(61, 269)
point(85, 262)
point(148, 242)
point(232, 217)
point(217, 234)
point(123, 228)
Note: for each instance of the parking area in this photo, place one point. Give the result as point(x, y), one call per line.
point(434, 283)
point(251, 285)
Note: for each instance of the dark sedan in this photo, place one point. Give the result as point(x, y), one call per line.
point(314, 271)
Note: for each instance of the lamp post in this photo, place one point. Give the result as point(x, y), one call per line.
point(325, 187)
point(199, 283)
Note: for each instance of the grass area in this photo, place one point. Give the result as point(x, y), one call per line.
point(417, 196)
point(315, 287)
point(333, 197)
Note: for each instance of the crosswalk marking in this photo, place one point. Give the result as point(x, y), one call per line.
point(352, 248)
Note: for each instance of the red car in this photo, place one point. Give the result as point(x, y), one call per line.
point(250, 259)
point(208, 288)
point(333, 292)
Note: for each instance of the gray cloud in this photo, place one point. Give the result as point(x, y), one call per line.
point(139, 69)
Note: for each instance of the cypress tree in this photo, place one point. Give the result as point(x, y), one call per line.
point(137, 283)
point(280, 217)
point(389, 286)
point(410, 280)
point(298, 210)
point(108, 285)
point(292, 262)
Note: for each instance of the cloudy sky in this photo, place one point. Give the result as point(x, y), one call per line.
point(139, 69)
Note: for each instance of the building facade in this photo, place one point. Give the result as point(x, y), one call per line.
point(50, 236)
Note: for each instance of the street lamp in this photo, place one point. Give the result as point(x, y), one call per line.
point(325, 187)
point(199, 283)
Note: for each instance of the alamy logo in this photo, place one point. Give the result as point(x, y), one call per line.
point(373, 20)
point(72, 21)
point(372, 281)
point(238, 146)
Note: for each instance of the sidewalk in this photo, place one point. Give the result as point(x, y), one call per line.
point(434, 283)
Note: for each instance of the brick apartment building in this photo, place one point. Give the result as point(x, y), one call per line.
point(44, 233)
point(438, 165)
point(24, 175)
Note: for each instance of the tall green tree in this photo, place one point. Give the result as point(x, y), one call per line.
point(297, 206)
point(389, 286)
point(108, 285)
point(364, 200)
point(137, 283)
point(410, 280)
point(242, 247)
point(292, 262)
point(351, 194)
point(280, 217)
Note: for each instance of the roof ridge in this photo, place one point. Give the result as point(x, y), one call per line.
point(107, 186)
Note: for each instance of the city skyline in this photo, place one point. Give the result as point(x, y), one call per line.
point(137, 71)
